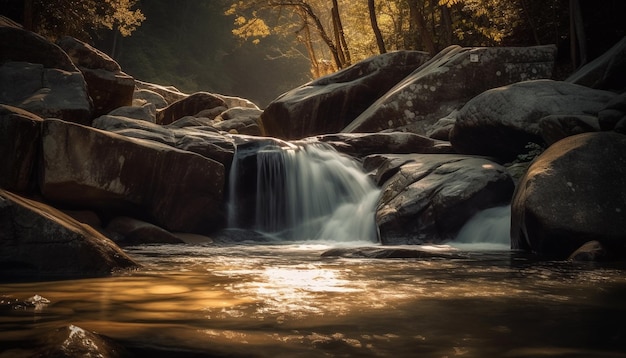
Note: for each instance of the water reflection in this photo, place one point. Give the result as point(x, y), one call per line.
point(285, 300)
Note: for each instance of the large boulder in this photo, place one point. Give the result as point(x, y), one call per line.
point(188, 106)
point(573, 193)
point(426, 198)
point(328, 104)
point(36, 75)
point(108, 86)
point(145, 96)
point(39, 241)
point(448, 81)
point(607, 72)
point(240, 120)
point(202, 140)
point(86, 167)
point(169, 93)
point(19, 45)
point(19, 143)
point(502, 121)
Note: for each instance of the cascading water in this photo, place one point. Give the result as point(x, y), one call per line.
point(306, 192)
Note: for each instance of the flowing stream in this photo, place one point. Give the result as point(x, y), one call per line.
point(285, 299)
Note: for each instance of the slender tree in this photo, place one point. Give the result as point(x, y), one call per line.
point(374, 21)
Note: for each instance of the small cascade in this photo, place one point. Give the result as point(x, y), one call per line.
point(488, 229)
point(306, 192)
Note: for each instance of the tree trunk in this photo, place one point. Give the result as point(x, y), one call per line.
point(530, 21)
point(114, 43)
point(28, 15)
point(306, 8)
point(379, 37)
point(577, 34)
point(342, 45)
point(306, 41)
point(446, 20)
point(418, 24)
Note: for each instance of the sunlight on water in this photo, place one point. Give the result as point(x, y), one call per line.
point(286, 300)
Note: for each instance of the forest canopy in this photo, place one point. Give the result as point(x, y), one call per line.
point(260, 48)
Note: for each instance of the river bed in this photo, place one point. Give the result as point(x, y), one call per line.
point(285, 300)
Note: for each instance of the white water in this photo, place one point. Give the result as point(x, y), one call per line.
point(311, 192)
point(487, 230)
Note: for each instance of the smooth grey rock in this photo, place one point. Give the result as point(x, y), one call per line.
point(448, 81)
point(329, 103)
point(502, 121)
point(90, 168)
point(573, 193)
point(46, 92)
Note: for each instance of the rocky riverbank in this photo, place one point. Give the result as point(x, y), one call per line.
point(94, 159)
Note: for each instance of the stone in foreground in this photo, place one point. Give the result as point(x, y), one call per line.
point(38, 241)
point(573, 193)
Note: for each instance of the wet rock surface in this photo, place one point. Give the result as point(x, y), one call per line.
point(427, 198)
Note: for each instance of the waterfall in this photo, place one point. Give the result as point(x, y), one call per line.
point(304, 192)
point(488, 229)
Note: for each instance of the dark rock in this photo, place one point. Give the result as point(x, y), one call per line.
point(86, 56)
point(426, 198)
point(73, 341)
point(17, 45)
point(19, 144)
point(109, 90)
point(240, 120)
point(363, 144)
point(607, 72)
point(86, 217)
point(149, 97)
point(86, 167)
point(329, 103)
point(39, 241)
point(130, 231)
point(232, 102)
point(193, 121)
point(201, 140)
point(188, 106)
point(448, 81)
point(46, 92)
point(590, 251)
point(502, 121)
point(146, 112)
point(169, 93)
point(613, 113)
point(573, 193)
point(558, 126)
point(109, 87)
point(210, 114)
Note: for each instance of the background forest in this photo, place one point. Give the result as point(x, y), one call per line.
point(258, 49)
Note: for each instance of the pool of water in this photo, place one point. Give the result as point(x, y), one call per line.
point(287, 300)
